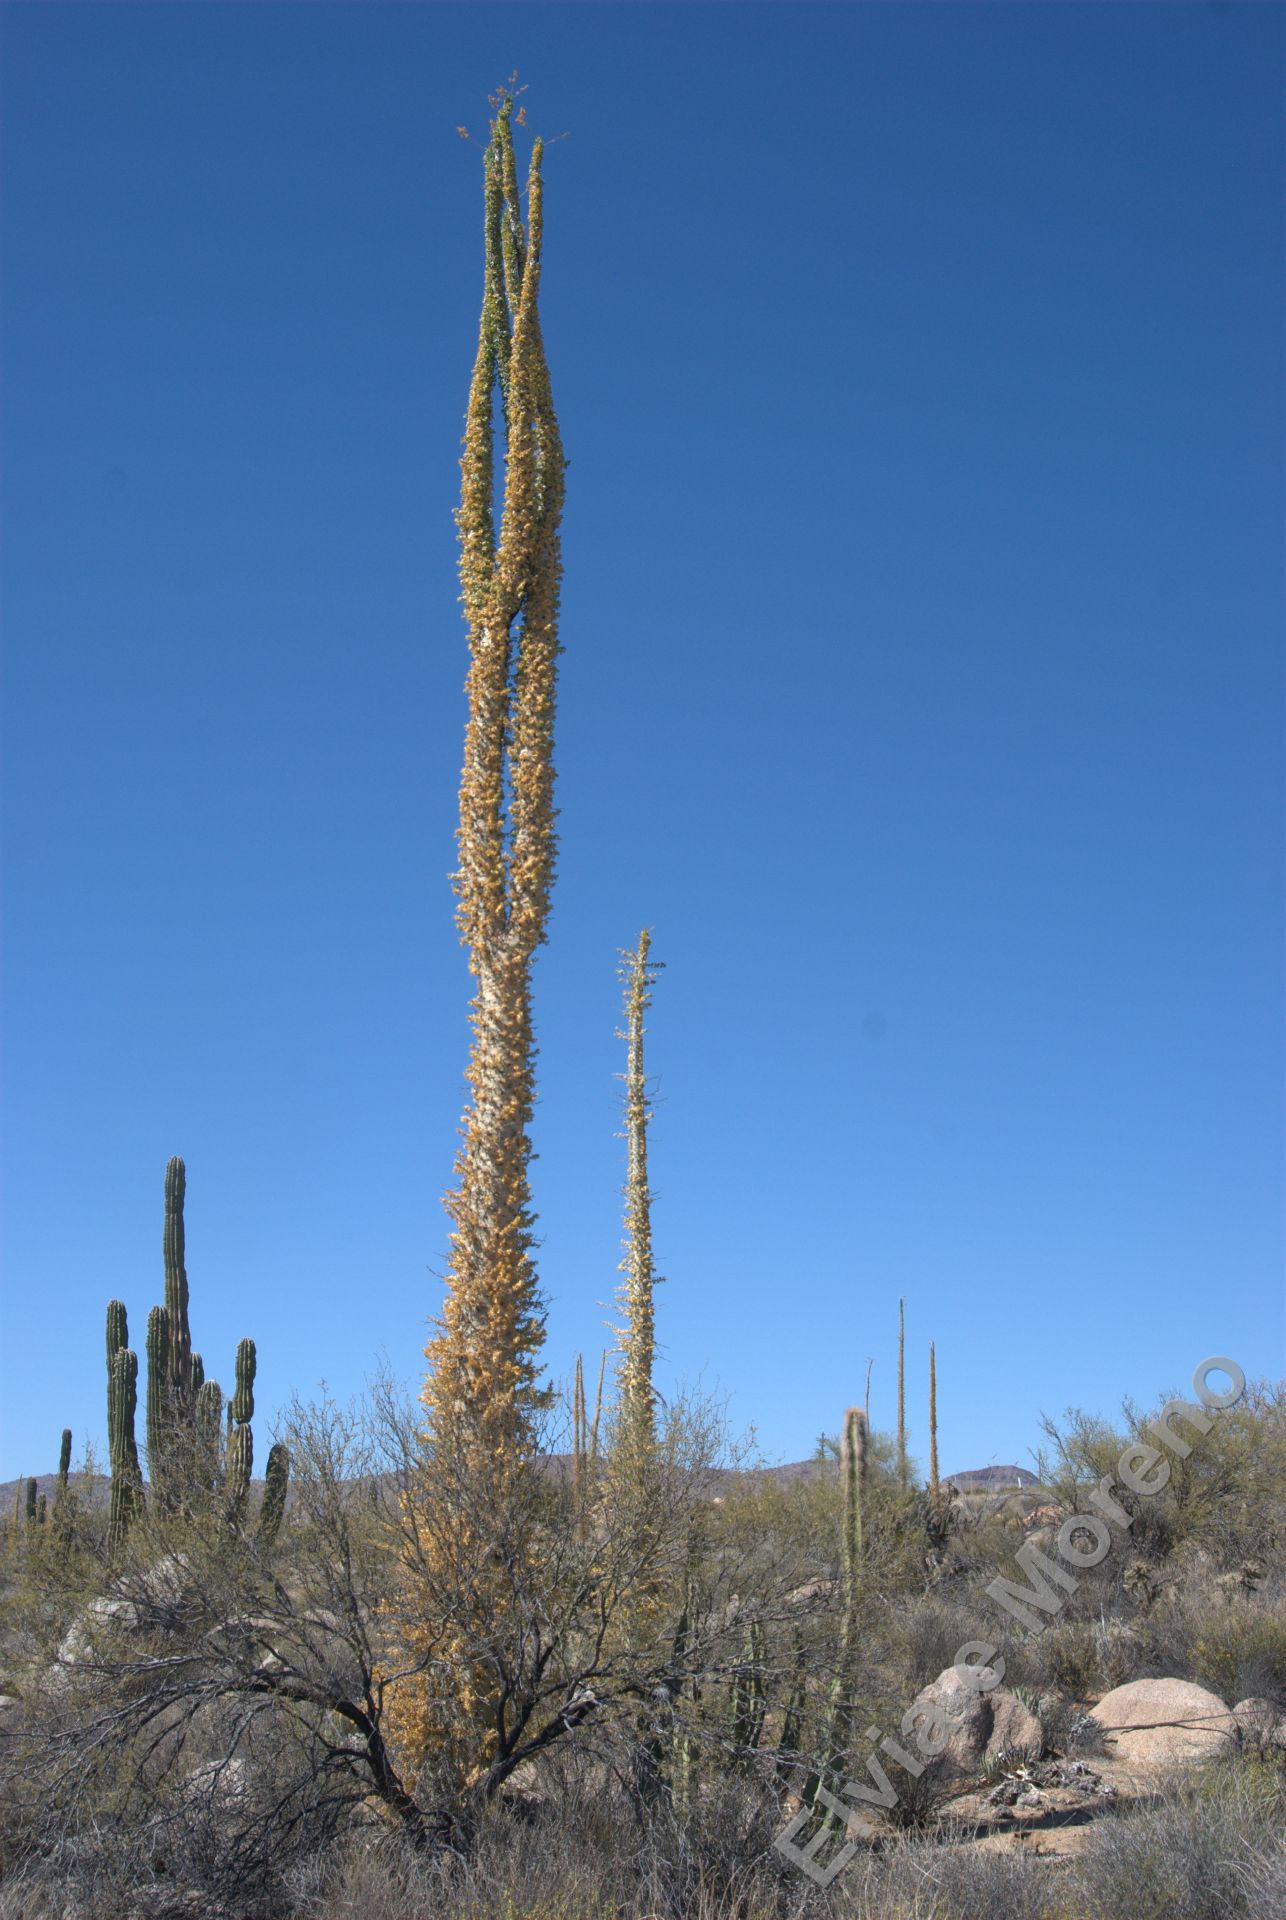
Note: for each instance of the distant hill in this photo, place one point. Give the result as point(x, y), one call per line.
point(992, 1478)
point(94, 1493)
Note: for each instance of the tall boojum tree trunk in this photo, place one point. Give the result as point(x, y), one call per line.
point(483, 1362)
point(636, 1426)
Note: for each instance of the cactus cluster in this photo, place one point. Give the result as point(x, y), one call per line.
point(188, 1458)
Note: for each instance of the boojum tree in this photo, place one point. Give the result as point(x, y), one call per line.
point(481, 1391)
point(482, 1387)
point(903, 1475)
point(636, 1412)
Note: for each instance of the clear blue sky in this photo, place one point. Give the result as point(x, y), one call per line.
point(920, 371)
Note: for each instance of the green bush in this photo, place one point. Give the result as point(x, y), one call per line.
point(1241, 1652)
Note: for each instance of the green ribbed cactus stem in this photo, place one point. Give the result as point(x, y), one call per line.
point(158, 1434)
point(117, 1331)
point(198, 1375)
point(240, 1461)
point(30, 1503)
point(42, 1510)
point(240, 1438)
point(209, 1434)
point(122, 1402)
point(61, 1492)
point(242, 1404)
point(276, 1479)
point(209, 1412)
point(852, 1466)
point(178, 1370)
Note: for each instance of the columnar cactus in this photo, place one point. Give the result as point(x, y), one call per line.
point(240, 1439)
point(178, 1369)
point(852, 1466)
point(276, 1477)
point(184, 1446)
point(209, 1434)
point(31, 1503)
point(117, 1331)
point(239, 1465)
point(242, 1404)
point(61, 1492)
point(209, 1413)
point(158, 1434)
point(118, 1343)
point(122, 1400)
point(853, 1542)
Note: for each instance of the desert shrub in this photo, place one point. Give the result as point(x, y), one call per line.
point(933, 1630)
point(1189, 1857)
point(596, 1865)
point(1065, 1658)
point(925, 1880)
point(1121, 1651)
point(1070, 1728)
point(1241, 1651)
point(1224, 1497)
